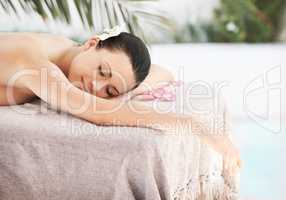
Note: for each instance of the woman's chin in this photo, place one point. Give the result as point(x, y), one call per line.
point(78, 85)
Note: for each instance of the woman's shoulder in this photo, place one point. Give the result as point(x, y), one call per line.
point(18, 45)
point(28, 48)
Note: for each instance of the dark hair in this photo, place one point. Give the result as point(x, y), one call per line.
point(135, 49)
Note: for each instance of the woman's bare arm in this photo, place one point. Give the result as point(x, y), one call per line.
point(50, 84)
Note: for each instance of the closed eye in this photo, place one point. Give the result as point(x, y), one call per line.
point(111, 91)
point(101, 71)
point(108, 92)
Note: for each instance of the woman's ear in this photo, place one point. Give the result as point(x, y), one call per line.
point(92, 42)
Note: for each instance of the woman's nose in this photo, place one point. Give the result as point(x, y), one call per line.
point(97, 86)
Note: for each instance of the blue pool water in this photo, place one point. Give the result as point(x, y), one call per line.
point(264, 164)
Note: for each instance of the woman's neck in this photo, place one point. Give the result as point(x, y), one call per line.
point(64, 58)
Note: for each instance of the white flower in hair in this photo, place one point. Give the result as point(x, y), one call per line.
point(107, 33)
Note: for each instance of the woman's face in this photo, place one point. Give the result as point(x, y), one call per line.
point(101, 72)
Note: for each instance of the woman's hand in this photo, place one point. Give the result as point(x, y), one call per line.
point(231, 160)
point(230, 153)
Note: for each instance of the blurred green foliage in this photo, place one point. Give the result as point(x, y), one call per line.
point(234, 20)
point(95, 15)
point(246, 21)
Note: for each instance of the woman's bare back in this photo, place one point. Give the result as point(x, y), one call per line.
point(17, 51)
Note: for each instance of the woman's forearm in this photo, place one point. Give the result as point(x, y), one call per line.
point(134, 113)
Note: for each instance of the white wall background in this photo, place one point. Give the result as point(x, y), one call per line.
point(254, 72)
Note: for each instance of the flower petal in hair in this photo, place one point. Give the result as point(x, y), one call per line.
point(107, 33)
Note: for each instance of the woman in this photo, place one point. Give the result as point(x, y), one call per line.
point(85, 80)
